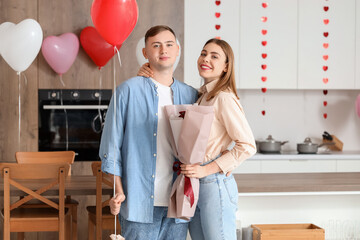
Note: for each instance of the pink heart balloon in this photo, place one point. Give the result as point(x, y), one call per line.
point(60, 52)
point(358, 105)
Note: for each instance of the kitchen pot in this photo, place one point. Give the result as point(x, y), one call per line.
point(270, 145)
point(308, 147)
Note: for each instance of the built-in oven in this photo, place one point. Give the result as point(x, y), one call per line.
point(72, 120)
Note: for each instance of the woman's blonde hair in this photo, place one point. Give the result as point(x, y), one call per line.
point(227, 79)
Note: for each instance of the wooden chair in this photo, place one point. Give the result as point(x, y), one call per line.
point(99, 216)
point(54, 157)
point(19, 176)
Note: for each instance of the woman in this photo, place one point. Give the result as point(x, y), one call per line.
point(215, 215)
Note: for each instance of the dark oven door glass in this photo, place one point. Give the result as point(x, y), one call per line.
point(72, 120)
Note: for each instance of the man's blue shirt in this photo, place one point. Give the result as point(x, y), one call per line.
point(128, 142)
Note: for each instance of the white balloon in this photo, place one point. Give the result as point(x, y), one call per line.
point(3, 28)
point(140, 57)
point(21, 44)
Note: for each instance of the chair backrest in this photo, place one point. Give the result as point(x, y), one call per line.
point(50, 175)
point(46, 157)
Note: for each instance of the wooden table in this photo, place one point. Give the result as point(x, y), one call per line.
point(75, 185)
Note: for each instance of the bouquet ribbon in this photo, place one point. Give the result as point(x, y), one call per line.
point(188, 190)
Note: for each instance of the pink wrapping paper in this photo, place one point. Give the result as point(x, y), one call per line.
point(189, 141)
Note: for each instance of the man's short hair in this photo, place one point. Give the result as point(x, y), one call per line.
point(153, 31)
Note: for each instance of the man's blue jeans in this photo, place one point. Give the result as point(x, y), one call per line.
point(162, 228)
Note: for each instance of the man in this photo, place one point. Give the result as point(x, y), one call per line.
point(135, 144)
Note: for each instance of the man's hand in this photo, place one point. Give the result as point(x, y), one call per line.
point(145, 71)
point(115, 203)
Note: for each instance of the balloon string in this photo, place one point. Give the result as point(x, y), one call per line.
point(66, 120)
point(19, 105)
point(100, 88)
point(61, 80)
point(114, 87)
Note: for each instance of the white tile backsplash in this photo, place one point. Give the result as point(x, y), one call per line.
point(294, 115)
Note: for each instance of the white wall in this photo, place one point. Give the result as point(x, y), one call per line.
point(294, 115)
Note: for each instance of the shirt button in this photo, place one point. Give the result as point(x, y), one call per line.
point(157, 95)
point(156, 114)
point(105, 156)
point(153, 176)
point(152, 196)
point(154, 134)
point(154, 154)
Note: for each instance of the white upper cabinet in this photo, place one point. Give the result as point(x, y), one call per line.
point(275, 22)
point(205, 19)
point(327, 44)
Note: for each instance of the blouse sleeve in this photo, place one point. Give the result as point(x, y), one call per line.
point(232, 116)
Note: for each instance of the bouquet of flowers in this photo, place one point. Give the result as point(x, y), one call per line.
point(190, 130)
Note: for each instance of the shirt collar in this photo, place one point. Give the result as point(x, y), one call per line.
point(209, 86)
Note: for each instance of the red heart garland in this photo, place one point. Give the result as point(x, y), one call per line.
point(264, 32)
point(263, 19)
point(96, 47)
point(325, 45)
point(326, 21)
point(263, 66)
point(325, 92)
point(326, 8)
point(263, 79)
point(264, 5)
point(217, 26)
point(325, 57)
point(217, 14)
point(264, 43)
point(325, 103)
point(326, 34)
point(325, 68)
point(325, 80)
point(325, 115)
point(263, 90)
point(264, 55)
point(217, 2)
point(263, 112)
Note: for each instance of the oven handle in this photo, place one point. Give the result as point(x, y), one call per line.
point(75, 107)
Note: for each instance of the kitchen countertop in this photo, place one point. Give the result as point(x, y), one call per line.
point(277, 184)
point(321, 155)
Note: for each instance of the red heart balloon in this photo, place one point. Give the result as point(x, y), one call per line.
point(325, 80)
point(326, 45)
point(263, 79)
point(114, 20)
point(263, 19)
point(217, 14)
point(326, 21)
point(325, 92)
point(263, 66)
point(217, 26)
point(217, 2)
point(96, 47)
point(263, 112)
point(218, 37)
point(326, 8)
point(263, 90)
point(264, 32)
point(326, 34)
point(264, 55)
point(264, 43)
point(326, 57)
point(325, 115)
point(325, 103)
point(264, 5)
point(325, 68)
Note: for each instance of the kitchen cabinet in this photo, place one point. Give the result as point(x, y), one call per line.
point(332, 23)
point(298, 166)
point(348, 166)
point(203, 20)
point(275, 25)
